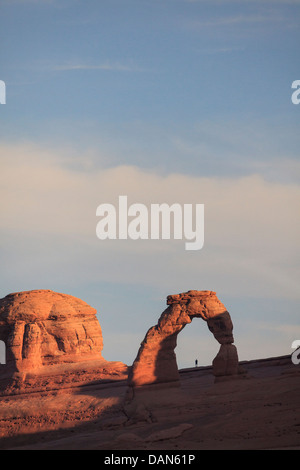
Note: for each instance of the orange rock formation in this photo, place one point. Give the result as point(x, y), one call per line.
point(42, 327)
point(47, 333)
point(156, 359)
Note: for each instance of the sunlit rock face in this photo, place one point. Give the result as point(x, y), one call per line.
point(156, 359)
point(42, 328)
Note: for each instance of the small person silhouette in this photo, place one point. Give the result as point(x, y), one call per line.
point(196, 362)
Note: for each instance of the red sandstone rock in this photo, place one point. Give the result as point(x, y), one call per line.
point(42, 328)
point(226, 361)
point(54, 335)
point(156, 359)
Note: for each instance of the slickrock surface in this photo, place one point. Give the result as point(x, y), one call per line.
point(259, 411)
point(48, 334)
point(156, 359)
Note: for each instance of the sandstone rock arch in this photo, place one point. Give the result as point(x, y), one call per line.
point(156, 359)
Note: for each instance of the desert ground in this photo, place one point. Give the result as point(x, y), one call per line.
point(258, 410)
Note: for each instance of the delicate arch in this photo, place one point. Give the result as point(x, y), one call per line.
point(156, 359)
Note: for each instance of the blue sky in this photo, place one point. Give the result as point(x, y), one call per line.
point(165, 101)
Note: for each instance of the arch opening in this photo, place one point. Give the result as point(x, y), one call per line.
point(195, 346)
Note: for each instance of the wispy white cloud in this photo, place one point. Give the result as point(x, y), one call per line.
point(252, 228)
point(222, 50)
point(39, 2)
point(232, 20)
point(263, 17)
point(109, 66)
point(242, 20)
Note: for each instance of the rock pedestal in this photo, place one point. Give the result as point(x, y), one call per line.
point(226, 362)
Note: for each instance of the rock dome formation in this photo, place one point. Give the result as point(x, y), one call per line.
point(45, 332)
point(156, 359)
